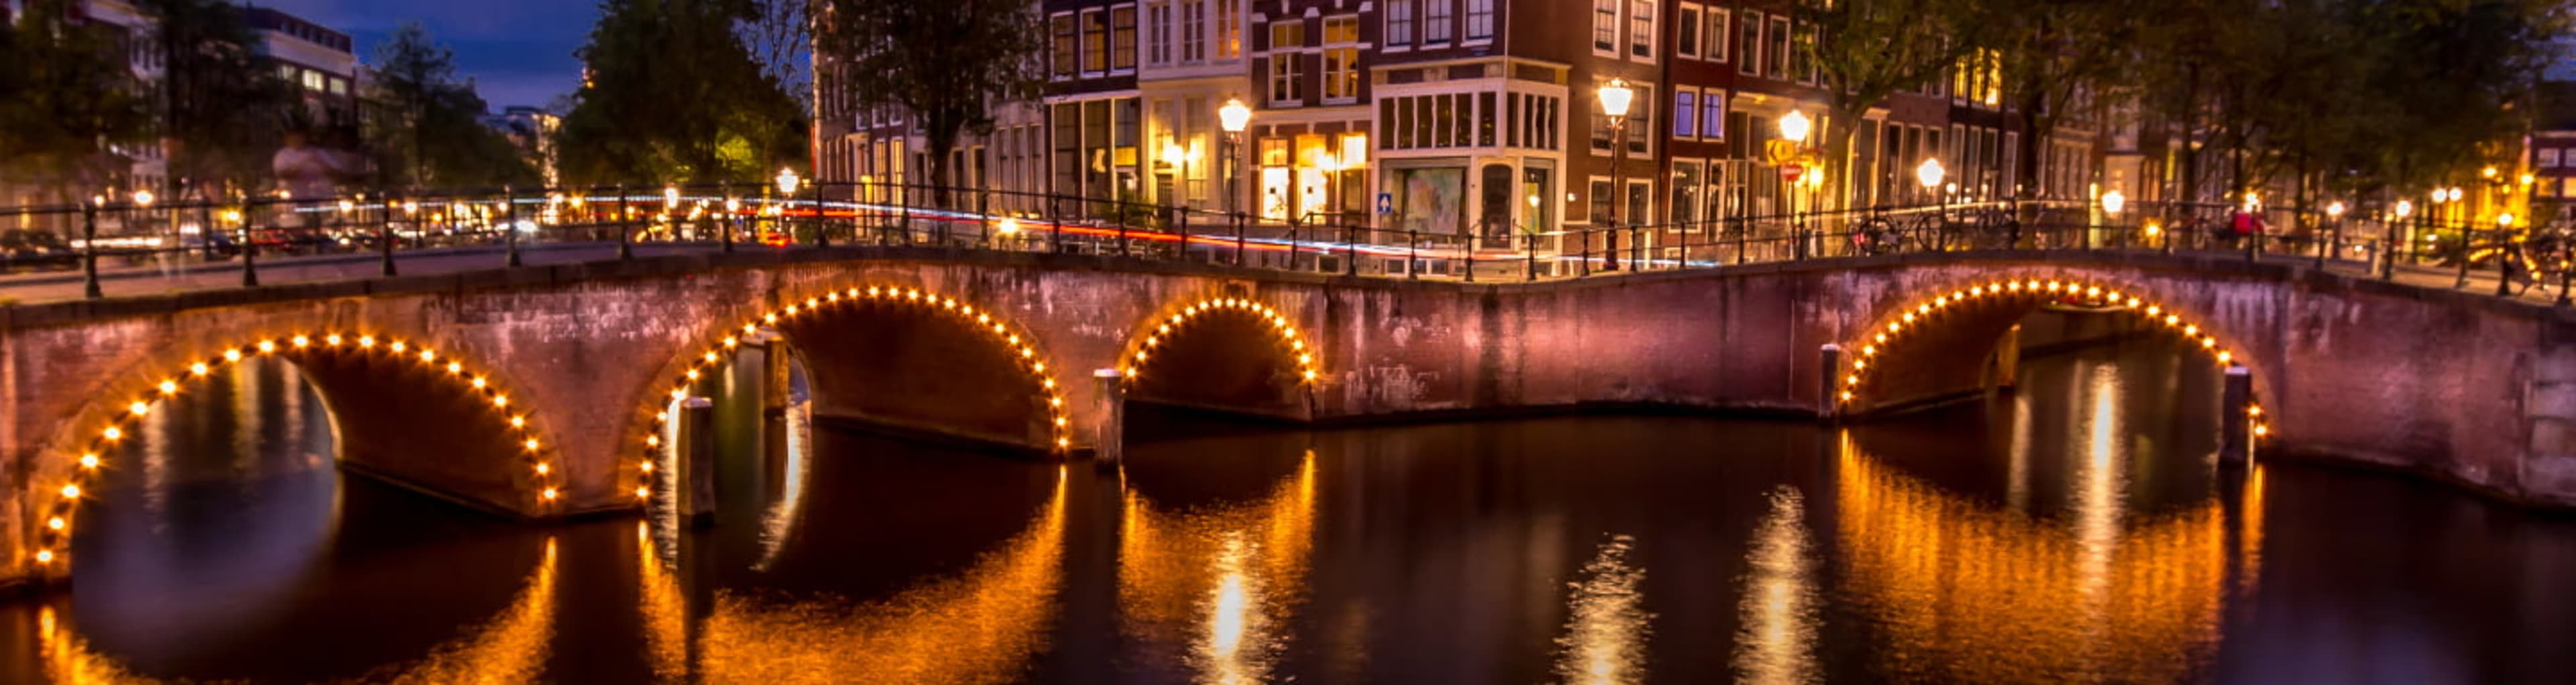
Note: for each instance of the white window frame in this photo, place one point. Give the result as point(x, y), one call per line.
point(1690, 19)
point(2548, 158)
point(1610, 28)
point(1716, 35)
point(1685, 126)
point(1194, 31)
point(1751, 67)
point(1399, 26)
point(1350, 66)
point(1439, 22)
point(1285, 73)
point(1480, 22)
point(1641, 43)
point(1712, 125)
point(1158, 33)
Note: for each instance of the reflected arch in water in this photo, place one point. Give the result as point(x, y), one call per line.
point(1981, 594)
point(1214, 585)
point(1230, 354)
point(1916, 351)
point(403, 409)
point(890, 354)
point(510, 647)
point(982, 625)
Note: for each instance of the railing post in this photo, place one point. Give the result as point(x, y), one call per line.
point(1468, 249)
point(1238, 219)
point(1412, 253)
point(385, 231)
point(249, 249)
point(903, 212)
point(510, 223)
point(1530, 259)
point(1610, 248)
point(89, 250)
point(1583, 255)
point(822, 223)
point(1181, 222)
point(1351, 251)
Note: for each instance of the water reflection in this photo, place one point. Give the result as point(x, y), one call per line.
point(1606, 629)
point(1777, 643)
point(1224, 579)
point(1970, 591)
point(983, 625)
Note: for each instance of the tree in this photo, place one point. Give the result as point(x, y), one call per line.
point(69, 96)
point(428, 129)
point(948, 64)
point(671, 93)
point(781, 37)
point(2047, 59)
point(1867, 50)
point(222, 110)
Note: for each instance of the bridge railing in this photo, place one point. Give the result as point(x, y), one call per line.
point(111, 238)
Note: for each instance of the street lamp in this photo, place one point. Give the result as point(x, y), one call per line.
point(142, 198)
point(2334, 223)
point(1929, 174)
point(1233, 117)
point(1615, 97)
point(787, 182)
point(2113, 201)
point(2504, 254)
point(1794, 128)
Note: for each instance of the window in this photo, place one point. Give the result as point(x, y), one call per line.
point(1778, 68)
point(1748, 44)
point(1095, 42)
point(2548, 157)
point(1229, 29)
point(1641, 121)
point(1158, 28)
point(1193, 31)
point(1399, 22)
point(1603, 200)
point(1716, 34)
point(1685, 114)
point(1124, 19)
point(1713, 111)
point(1641, 28)
point(1686, 183)
point(312, 80)
point(1480, 19)
point(1286, 82)
point(1341, 54)
point(1437, 20)
point(1605, 26)
point(1686, 31)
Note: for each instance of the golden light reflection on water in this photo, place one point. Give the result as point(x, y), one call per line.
point(779, 523)
point(512, 647)
point(1222, 580)
point(1776, 645)
point(1977, 594)
point(982, 626)
point(1606, 628)
point(665, 609)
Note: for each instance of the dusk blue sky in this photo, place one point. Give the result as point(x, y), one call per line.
point(519, 52)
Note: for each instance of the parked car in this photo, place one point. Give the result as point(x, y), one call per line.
point(32, 250)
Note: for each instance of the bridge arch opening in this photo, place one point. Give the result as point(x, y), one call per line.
point(401, 410)
point(1945, 345)
point(891, 356)
point(1226, 354)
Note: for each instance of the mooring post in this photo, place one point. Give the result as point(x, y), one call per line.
point(1829, 396)
point(698, 460)
point(2236, 416)
point(1109, 418)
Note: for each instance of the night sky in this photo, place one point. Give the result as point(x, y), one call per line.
point(519, 52)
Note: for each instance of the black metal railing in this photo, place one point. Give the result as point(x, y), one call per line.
point(108, 240)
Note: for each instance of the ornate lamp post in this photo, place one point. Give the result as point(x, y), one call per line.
point(2504, 254)
point(1233, 117)
point(2112, 202)
point(1615, 97)
point(1794, 128)
point(1929, 173)
point(2334, 224)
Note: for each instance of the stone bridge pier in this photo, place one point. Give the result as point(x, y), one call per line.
point(544, 392)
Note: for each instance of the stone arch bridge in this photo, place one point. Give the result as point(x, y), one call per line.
point(541, 392)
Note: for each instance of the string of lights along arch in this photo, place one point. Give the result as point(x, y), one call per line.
point(52, 545)
point(723, 348)
point(1882, 339)
point(1143, 348)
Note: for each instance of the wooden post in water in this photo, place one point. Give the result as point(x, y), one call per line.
point(1829, 397)
point(2235, 417)
point(697, 493)
point(1109, 442)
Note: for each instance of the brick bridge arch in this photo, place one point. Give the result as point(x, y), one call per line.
point(1231, 354)
point(402, 408)
point(1937, 344)
point(893, 355)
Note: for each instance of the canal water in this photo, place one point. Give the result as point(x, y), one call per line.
point(2076, 529)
